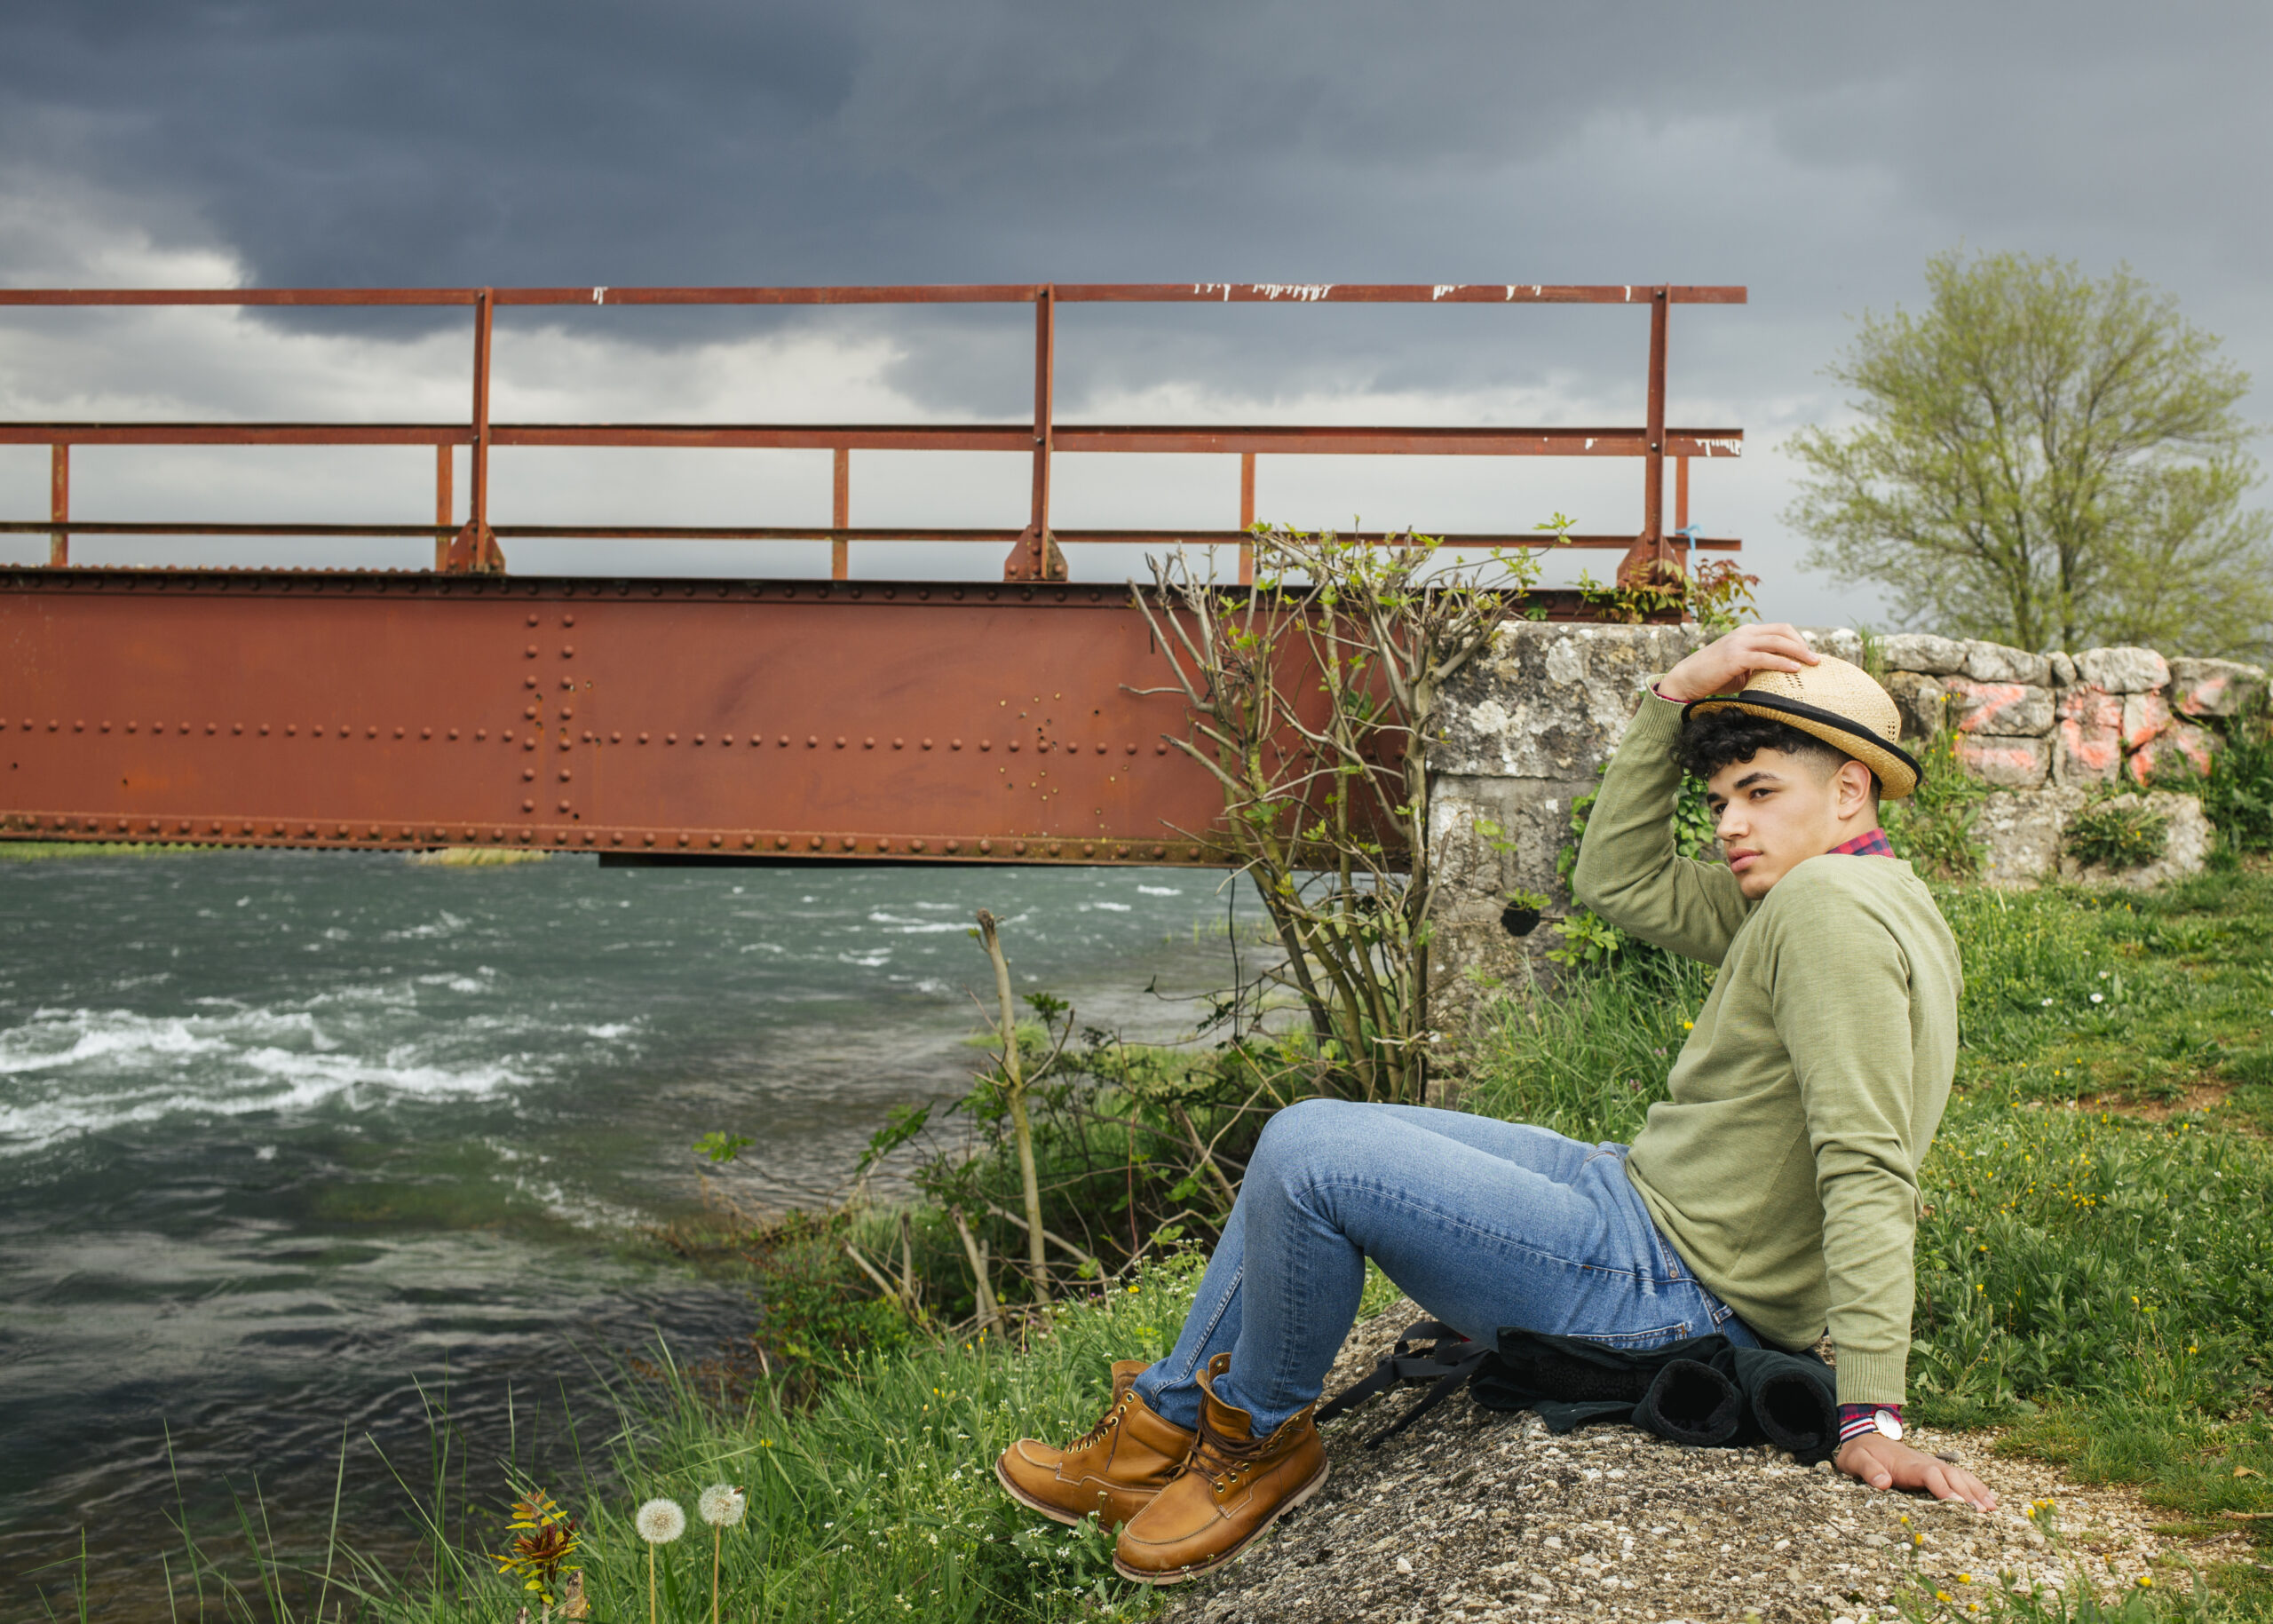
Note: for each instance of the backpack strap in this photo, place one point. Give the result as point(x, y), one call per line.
point(1430, 1351)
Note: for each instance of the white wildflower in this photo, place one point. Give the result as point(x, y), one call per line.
point(722, 1505)
point(659, 1521)
point(2099, 997)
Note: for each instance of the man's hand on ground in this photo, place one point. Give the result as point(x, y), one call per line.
point(1885, 1464)
point(1722, 666)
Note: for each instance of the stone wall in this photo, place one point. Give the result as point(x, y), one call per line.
point(1531, 723)
point(2050, 733)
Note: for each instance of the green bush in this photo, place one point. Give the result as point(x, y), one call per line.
point(2118, 834)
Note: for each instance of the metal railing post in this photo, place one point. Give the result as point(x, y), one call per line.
point(1036, 557)
point(58, 503)
point(1650, 560)
point(840, 550)
point(476, 551)
point(1247, 518)
point(443, 501)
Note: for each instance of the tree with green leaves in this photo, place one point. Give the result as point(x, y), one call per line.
point(2044, 460)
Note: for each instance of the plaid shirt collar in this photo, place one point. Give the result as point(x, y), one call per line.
point(1871, 843)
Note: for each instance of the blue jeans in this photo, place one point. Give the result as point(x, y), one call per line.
point(1484, 1224)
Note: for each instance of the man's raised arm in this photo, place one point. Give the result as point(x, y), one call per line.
point(1629, 871)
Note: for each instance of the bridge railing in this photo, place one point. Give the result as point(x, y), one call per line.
point(473, 544)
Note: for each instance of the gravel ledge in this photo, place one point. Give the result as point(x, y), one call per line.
point(1474, 1514)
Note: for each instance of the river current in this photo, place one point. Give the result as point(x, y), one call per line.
point(294, 1146)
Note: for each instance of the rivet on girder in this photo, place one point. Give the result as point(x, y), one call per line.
point(647, 840)
point(1054, 848)
point(615, 839)
point(531, 651)
point(953, 846)
point(868, 744)
point(717, 840)
point(1088, 851)
point(814, 843)
point(699, 738)
point(682, 840)
point(927, 744)
point(454, 732)
point(849, 842)
point(643, 738)
point(726, 739)
point(564, 806)
point(529, 806)
point(531, 620)
point(568, 619)
point(567, 651)
point(840, 742)
point(916, 846)
point(616, 738)
point(1019, 848)
point(1160, 851)
point(670, 737)
point(780, 843)
point(590, 837)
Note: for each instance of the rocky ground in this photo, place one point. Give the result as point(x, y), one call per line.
point(1476, 1515)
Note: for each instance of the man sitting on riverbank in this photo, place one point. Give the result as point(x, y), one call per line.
point(1774, 1192)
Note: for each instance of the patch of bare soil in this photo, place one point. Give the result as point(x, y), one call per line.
point(1472, 1514)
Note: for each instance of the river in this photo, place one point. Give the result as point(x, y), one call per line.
point(292, 1143)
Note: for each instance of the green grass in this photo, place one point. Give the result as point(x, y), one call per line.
point(2095, 1269)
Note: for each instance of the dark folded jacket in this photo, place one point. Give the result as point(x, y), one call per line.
point(1702, 1390)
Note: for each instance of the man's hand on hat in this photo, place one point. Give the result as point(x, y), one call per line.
point(1723, 665)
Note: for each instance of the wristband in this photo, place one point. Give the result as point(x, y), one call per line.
point(1855, 1420)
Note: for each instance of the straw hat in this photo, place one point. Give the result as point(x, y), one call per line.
point(1839, 704)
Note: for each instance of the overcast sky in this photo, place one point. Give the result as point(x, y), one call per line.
point(1817, 154)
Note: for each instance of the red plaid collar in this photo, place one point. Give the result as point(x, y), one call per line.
point(1871, 843)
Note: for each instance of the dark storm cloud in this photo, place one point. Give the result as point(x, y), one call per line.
point(1816, 154)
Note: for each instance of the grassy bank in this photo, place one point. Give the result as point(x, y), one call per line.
point(2093, 1266)
point(2093, 1276)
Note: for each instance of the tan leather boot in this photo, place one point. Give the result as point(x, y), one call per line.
point(1233, 1487)
point(1110, 1471)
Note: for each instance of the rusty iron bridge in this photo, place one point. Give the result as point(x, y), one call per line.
point(662, 720)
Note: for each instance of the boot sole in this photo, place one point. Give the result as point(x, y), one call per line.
point(1176, 1576)
point(1056, 1514)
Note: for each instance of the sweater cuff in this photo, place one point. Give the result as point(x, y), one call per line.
point(1872, 1378)
point(1658, 716)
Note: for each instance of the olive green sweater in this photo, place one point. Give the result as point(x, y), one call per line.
point(1784, 1168)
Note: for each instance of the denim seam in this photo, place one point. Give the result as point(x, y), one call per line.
point(1223, 1307)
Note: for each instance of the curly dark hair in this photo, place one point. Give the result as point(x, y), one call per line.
point(1718, 738)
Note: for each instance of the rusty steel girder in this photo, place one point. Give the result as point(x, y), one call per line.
point(771, 719)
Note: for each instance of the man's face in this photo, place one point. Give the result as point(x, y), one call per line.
point(1776, 812)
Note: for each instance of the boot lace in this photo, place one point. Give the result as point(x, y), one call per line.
point(1105, 1423)
point(1221, 1457)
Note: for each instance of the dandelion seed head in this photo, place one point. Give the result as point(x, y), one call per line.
point(722, 1505)
point(660, 1521)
